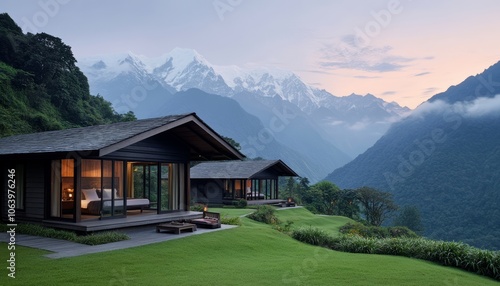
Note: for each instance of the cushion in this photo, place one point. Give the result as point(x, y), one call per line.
point(89, 194)
point(106, 194)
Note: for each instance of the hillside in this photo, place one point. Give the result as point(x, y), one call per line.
point(40, 86)
point(444, 159)
point(227, 117)
point(347, 125)
point(251, 254)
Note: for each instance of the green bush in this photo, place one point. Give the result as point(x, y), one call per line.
point(264, 214)
point(241, 203)
point(448, 253)
point(284, 227)
point(230, 220)
point(369, 231)
point(101, 238)
point(197, 207)
point(313, 235)
point(93, 239)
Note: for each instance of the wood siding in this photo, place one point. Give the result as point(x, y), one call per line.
point(34, 192)
point(159, 148)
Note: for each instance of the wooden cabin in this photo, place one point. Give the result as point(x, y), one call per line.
point(225, 182)
point(107, 176)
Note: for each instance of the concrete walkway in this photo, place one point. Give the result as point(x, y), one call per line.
point(138, 236)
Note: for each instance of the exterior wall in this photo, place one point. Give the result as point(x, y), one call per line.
point(207, 190)
point(159, 148)
point(34, 191)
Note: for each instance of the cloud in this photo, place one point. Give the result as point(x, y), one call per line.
point(390, 92)
point(422, 74)
point(349, 53)
point(483, 106)
point(365, 76)
point(430, 90)
point(336, 122)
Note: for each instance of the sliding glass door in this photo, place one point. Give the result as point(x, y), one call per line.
point(161, 183)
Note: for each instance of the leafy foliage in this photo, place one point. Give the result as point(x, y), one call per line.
point(377, 206)
point(92, 239)
point(443, 162)
point(41, 88)
point(240, 203)
point(265, 214)
point(371, 231)
point(409, 216)
point(456, 254)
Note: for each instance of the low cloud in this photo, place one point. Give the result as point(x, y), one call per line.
point(483, 106)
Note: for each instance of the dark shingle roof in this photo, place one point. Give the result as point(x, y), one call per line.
point(203, 141)
point(239, 169)
point(80, 139)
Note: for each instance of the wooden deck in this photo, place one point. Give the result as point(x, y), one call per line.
point(145, 218)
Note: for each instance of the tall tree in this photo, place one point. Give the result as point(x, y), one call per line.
point(409, 216)
point(377, 206)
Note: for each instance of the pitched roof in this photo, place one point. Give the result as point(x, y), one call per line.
point(240, 169)
point(111, 137)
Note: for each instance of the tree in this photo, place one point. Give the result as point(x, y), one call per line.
point(232, 142)
point(324, 197)
point(377, 206)
point(348, 204)
point(409, 216)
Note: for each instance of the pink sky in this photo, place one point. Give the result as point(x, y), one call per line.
point(399, 50)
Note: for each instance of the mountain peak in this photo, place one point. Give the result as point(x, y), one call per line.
point(182, 57)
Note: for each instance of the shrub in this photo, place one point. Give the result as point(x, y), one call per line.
point(241, 203)
point(93, 239)
point(313, 235)
point(284, 227)
point(401, 231)
point(362, 230)
point(197, 207)
point(448, 253)
point(101, 238)
point(264, 214)
point(230, 220)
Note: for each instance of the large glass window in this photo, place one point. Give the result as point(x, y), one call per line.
point(102, 190)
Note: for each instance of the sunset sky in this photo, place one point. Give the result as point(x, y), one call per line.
point(403, 51)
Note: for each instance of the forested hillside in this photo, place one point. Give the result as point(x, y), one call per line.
point(444, 159)
point(41, 88)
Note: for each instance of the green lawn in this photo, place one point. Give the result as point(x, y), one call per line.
point(252, 254)
point(301, 217)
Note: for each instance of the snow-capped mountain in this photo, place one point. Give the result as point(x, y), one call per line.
point(182, 69)
point(145, 85)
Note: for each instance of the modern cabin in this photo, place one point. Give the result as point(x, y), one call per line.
point(227, 181)
point(106, 176)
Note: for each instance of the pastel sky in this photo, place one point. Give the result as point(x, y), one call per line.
point(399, 50)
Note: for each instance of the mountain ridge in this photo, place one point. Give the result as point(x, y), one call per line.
point(360, 120)
point(443, 158)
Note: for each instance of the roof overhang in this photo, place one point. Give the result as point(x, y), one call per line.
point(203, 142)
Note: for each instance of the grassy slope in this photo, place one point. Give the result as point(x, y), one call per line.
point(253, 254)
